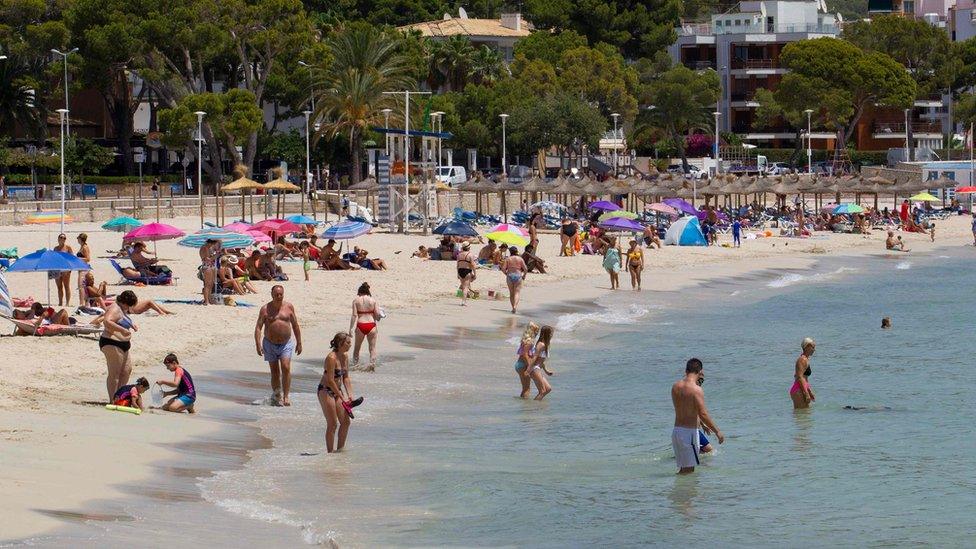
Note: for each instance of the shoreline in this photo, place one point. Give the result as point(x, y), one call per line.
point(441, 318)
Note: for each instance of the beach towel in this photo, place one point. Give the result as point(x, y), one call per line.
point(199, 302)
point(54, 329)
point(9, 253)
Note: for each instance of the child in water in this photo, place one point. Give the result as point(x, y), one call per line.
point(131, 395)
point(184, 390)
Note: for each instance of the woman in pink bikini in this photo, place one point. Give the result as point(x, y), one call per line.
point(365, 314)
point(800, 392)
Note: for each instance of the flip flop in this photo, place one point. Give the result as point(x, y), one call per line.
point(356, 402)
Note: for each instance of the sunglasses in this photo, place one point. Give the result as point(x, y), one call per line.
point(700, 381)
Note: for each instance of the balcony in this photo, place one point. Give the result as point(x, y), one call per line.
point(699, 65)
point(755, 63)
point(896, 130)
point(747, 95)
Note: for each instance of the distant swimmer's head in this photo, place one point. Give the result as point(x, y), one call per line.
point(693, 366)
point(808, 345)
point(885, 323)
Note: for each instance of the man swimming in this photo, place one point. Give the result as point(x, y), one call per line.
point(689, 409)
point(277, 320)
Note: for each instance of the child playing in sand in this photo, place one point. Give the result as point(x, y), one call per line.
point(421, 252)
point(131, 395)
point(183, 389)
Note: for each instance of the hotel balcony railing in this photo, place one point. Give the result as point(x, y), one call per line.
point(699, 65)
point(899, 127)
point(743, 95)
point(706, 29)
point(755, 63)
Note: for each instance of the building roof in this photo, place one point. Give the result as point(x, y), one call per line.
point(457, 26)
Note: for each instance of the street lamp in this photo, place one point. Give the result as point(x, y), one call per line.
point(908, 157)
point(311, 83)
point(2, 57)
point(64, 117)
point(504, 117)
point(308, 160)
point(440, 128)
point(65, 54)
point(718, 164)
point(809, 145)
point(615, 116)
point(200, 115)
point(386, 124)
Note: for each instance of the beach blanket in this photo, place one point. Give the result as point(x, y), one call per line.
point(54, 329)
point(9, 253)
point(199, 302)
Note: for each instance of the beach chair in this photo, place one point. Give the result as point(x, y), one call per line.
point(52, 329)
point(158, 280)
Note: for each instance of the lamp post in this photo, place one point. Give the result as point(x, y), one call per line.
point(440, 127)
point(65, 54)
point(504, 117)
point(2, 57)
point(200, 115)
point(615, 117)
point(908, 157)
point(718, 164)
point(308, 160)
point(311, 90)
point(809, 144)
point(64, 117)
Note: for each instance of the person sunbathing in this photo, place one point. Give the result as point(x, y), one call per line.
point(487, 254)
point(145, 265)
point(650, 237)
point(363, 260)
point(268, 269)
point(96, 293)
point(285, 250)
point(39, 315)
point(421, 252)
point(533, 262)
point(251, 265)
point(229, 279)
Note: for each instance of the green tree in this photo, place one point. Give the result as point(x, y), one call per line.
point(18, 103)
point(82, 156)
point(563, 121)
point(365, 64)
point(288, 147)
point(549, 46)
point(601, 76)
point(851, 80)
point(789, 104)
point(683, 100)
point(453, 60)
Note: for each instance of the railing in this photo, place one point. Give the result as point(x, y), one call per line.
point(899, 127)
point(748, 95)
point(755, 63)
point(699, 65)
point(705, 29)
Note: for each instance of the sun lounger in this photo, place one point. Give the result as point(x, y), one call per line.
point(158, 280)
point(53, 329)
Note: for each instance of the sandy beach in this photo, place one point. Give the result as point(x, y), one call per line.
point(61, 453)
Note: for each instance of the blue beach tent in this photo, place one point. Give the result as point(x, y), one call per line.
point(685, 232)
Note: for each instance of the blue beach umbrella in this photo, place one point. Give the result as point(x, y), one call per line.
point(299, 219)
point(45, 260)
point(848, 209)
point(228, 240)
point(456, 228)
point(346, 230)
point(122, 224)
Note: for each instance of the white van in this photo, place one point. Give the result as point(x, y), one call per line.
point(452, 175)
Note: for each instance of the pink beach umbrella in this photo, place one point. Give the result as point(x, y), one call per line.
point(258, 236)
point(153, 232)
point(237, 227)
point(509, 228)
point(269, 226)
point(662, 208)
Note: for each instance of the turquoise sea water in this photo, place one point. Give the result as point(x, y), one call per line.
point(443, 454)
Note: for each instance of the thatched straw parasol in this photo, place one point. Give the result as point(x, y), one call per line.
point(242, 184)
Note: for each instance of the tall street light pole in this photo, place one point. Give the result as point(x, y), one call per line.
point(386, 124)
point(718, 164)
point(200, 115)
point(406, 155)
point(64, 117)
point(311, 83)
point(616, 167)
point(504, 117)
point(809, 143)
point(308, 160)
point(64, 55)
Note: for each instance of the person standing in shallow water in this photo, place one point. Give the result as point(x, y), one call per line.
point(276, 321)
point(801, 393)
point(690, 411)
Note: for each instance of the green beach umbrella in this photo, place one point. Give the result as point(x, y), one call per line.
point(122, 224)
point(924, 197)
point(619, 213)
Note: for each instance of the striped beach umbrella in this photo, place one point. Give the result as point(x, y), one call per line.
point(42, 218)
point(509, 228)
point(228, 239)
point(122, 224)
point(6, 304)
point(347, 230)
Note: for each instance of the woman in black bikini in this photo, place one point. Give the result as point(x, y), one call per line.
point(466, 270)
point(115, 341)
point(330, 393)
point(62, 280)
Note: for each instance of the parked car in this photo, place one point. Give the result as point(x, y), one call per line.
point(694, 172)
point(778, 168)
point(452, 175)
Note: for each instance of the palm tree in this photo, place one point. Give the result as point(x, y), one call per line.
point(486, 65)
point(18, 104)
point(454, 59)
point(365, 64)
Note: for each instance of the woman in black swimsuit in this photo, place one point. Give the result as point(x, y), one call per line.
point(466, 271)
point(62, 279)
point(335, 377)
point(567, 234)
point(115, 341)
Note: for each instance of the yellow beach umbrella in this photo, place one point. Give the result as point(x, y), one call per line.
point(506, 237)
point(924, 197)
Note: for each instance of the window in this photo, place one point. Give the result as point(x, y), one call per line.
point(908, 6)
point(738, 22)
point(933, 175)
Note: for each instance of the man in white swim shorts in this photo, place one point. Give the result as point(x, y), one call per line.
point(689, 406)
